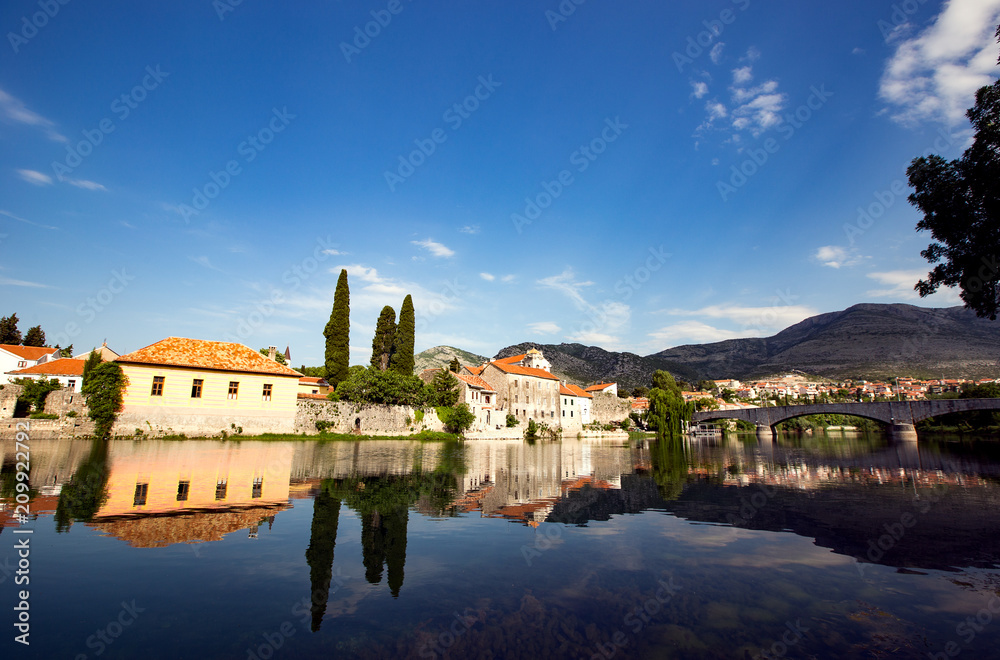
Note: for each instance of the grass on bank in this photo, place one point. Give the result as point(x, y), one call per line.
point(423, 436)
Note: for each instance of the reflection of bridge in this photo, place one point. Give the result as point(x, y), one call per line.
point(899, 415)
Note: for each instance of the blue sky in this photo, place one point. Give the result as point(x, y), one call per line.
point(629, 175)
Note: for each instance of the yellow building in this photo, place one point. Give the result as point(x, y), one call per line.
point(199, 387)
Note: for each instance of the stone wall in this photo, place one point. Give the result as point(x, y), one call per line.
point(367, 419)
point(607, 408)
point(69, 405)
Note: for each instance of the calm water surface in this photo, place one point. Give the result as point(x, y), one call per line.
point(826, 547)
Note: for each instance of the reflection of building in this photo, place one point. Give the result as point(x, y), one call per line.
point(162, 492)
point(205, 387)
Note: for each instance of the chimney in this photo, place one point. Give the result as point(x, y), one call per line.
point(272, 352)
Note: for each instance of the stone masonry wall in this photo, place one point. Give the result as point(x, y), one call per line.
point(69, 405)
point(608, 408)
point(367, 419)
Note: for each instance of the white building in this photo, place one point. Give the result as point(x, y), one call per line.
point(13, 357)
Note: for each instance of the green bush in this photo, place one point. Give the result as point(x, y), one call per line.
point(322, 425)
point(383, 387)
point(35, 391)
point(456, 419)
point(43, 415)
point(71, 413)
point(511, 421)
point(104, 391)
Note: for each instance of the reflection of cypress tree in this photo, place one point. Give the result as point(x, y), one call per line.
point(395, 547)
point(372, 545)
point(322, 540)
point(86, 491)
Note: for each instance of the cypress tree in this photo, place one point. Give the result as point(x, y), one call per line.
point(337, 333)
point(382, 343)
point(455, 366)
point(93, 360)
point(34, 337)
point(402, 349)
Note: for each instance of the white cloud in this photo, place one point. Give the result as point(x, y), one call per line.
point(899, 284)
point(603, 319)
point(205, 262)
point(716, 53)
point(742, 75)
point(934, 76)
point(35, 178)
point(333, 252)
point(13, 109)
point(835, 256)
point(753, 320)
point(690, 332)
point(544, 328)
point(435, 248)
point(715, 110)
point(86, 185)
point(506, 279)
point(357, 271)
point(700, 89)
point(487, 276)
point(470, 229)
point(565, 284)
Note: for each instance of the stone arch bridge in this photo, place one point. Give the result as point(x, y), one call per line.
point(900, 416)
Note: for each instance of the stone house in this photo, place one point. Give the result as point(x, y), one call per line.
point(574, 406)
point(477, 394)
point(525, 386)
point(603, 388)
point(199, 387)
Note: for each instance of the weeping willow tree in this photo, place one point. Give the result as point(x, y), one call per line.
point(668, 412)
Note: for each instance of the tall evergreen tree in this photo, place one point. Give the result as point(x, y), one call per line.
point(337, 333)
point(9, 334)
point(93, 360)
point(402, 358)
point(455, 366)
point(34, 337)
point(382, 343)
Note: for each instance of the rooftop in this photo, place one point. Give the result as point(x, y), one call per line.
point(28, 352)
point(202, 354)
point(60, 367)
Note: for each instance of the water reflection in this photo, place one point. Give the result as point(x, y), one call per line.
point(448, 521)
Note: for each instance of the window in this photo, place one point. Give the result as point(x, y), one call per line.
point(220, 489)
point(71, 384)
point(486, 398)
point(157, 386)
point(267, 392)
point(234, 387)
point(515, 398)
point(22, 363)
point(564, 413)
point(140, 494)
point(183, 488)
point(258, 487)
point(570, 413)
point(527, 399)
point(196, 385)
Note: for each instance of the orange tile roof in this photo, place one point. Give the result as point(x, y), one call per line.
point(600, 387)
point(202, 354)
point(311, 380)
point(523, 371)
point(574, 390)
point(28, 352)
point(475, 381)
point(512, 359)
point(475, 370)
point(303, 395)
point(60, 367)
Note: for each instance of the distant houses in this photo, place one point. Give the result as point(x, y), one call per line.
point(14, 357)
point(68, 371)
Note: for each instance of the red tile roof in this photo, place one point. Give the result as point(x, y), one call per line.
point(523, 371)
point(60, 367)
point(303, 395)
point(599, 387)
point(202, 354)
point(574, 390)
point(28, 352)
point(475, 370)
point(311, 380)
point(512, 359)
point(475, 381)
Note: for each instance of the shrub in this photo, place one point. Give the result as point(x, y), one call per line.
point(104, 391)
point(384, 387)
point(457, 419)
point(511, 421)
point(71, 413)
point(43, 415)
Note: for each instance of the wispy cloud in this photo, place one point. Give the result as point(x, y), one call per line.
point(899, 284)
point(6, 281)
point(605, 319)
point(489, 277)
point(470, 229)
point(435, 248)
point(690, 332)
point(205, 262)
point(716, 53)
point(35, 178)
point(86, 185)
point(753, 108)
point(934, 75)
point(506, 279)
point(28, 222)
point(13, 110)
point(753, 321)
point(699, 89)
point(544, 328)
point(835, 256)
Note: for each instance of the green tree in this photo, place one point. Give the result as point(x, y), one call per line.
point(443, 389)
point(511, 421)
point(93, 360)
point(667, 409)
point(337, 333)
point(402, 345)
point(728, 395)
point(960, 201)
point(454, 366)
point(104, 391)
point(457, 419)
point(387, 387)
point(34, 337)
point(9, 334)
point(35, 391)
point(385, 335)
point(640, 392)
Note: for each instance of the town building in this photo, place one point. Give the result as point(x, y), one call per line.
point(603, 388)
point(14, 357)
point(525, 386)
point(180, 385)
point(574, 406)
point(68, 371)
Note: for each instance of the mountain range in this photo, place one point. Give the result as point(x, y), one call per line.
point(871, 341)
